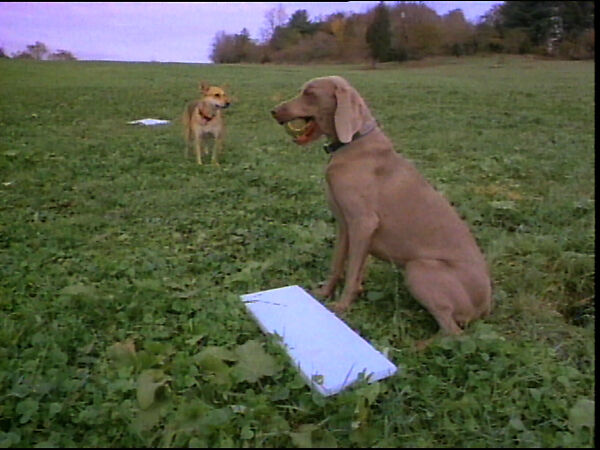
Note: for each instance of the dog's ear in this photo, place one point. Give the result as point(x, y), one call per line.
point(348, 117)
point(204, 86)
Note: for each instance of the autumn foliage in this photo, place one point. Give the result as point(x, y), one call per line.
point(412, 31)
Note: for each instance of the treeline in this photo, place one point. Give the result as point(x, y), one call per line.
point(412, 30)
point(39, 51)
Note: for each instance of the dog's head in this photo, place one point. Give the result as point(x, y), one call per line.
point(330, 106)
point(215, 95)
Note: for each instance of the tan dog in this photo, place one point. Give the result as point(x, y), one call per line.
point(385, 207)
point(203, 118)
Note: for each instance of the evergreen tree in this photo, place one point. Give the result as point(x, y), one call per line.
point(379, 35)
point(299, 21)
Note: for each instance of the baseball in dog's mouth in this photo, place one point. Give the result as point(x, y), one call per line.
point(302, 129)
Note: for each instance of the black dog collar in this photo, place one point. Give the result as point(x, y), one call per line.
point(335, 146)
point(207, 118)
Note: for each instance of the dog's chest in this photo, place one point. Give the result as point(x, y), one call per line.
point(211, 125)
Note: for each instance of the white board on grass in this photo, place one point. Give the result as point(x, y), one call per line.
point(149, 122)
point(328, 353)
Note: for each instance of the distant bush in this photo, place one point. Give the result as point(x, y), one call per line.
point(582, 47)
point(62, 55)
point(39, 51)
point(23, 55)
point(235, 48)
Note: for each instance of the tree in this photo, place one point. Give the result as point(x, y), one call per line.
point(548, 23)
point(224, 49)
point(378, 36)
point(22, 55)
point(488, 32)
point(234, 48)
point(37, 50)
point(349, 32)
point(274, 18)
point(417, 31)
point(336, 25)
point(299, 22)
point(492, 18)
point(457, 33)
point(62, 55)
point(284, 37)
point(577, 17)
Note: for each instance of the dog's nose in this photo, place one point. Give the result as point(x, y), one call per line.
point(274, 114)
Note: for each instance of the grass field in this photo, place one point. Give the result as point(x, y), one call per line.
point(121, 262)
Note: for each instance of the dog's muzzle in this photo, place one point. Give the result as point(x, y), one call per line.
point(274, 114)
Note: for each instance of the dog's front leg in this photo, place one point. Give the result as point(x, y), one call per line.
point(198, 147)
point(360, 232)
point(217, 147)
point(337, 267)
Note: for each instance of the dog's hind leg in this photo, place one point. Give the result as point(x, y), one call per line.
point(434, 285)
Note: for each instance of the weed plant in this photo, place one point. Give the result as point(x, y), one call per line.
point(122, 262)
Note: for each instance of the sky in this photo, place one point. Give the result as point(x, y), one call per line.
point(163, 32)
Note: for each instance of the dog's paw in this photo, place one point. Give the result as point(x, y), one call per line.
point(422, 345)
point(321, 293)
point(339, 307)
point(324, 291)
